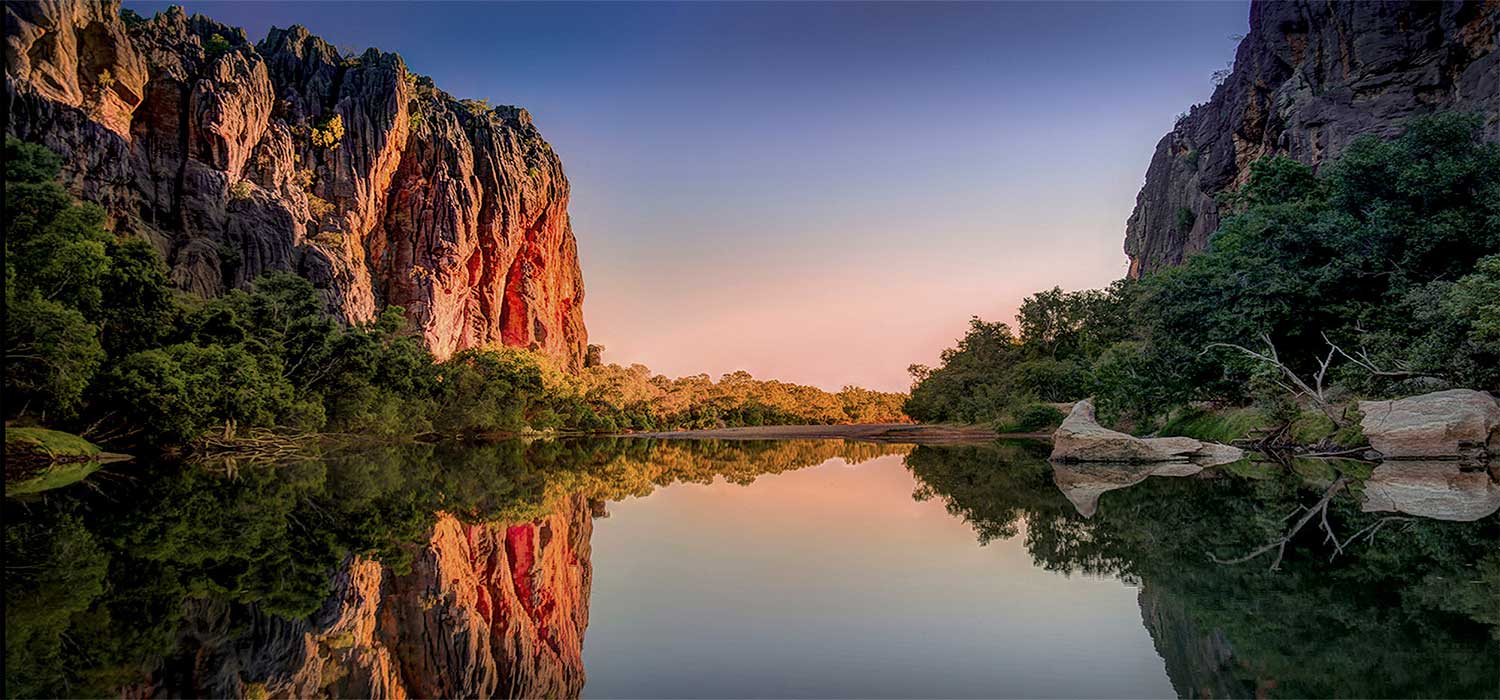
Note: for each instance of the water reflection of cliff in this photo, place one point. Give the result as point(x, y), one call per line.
point(1409, 611)
point(406, 571)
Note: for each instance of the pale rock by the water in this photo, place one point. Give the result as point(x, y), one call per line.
point(1453, 424)
point(1431, 489)
point(1080, 438)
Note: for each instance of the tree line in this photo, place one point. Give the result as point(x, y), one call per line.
point(98, 341)
point(1377, 274)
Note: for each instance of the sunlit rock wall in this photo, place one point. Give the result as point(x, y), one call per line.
point(199, 140)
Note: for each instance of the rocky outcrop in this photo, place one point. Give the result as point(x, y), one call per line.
point(1308, 78)
point(1431, 489)
point(1453, 424)
point(487, 611)
point(212, 147)
point(1080, 438)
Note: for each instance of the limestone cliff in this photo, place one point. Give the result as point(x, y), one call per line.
point(213, 148)
point(1310, 76)
point(486, 611)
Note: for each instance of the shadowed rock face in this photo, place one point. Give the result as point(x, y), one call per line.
point(487, 611)
point(201, 141)
point(1307, 79)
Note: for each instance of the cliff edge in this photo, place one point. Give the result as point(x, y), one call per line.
point(1309, 77)
point(237, 158)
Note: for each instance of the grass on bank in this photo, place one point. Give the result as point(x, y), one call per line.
point(38, 459)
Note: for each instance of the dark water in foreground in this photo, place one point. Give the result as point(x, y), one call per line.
point(637, 568)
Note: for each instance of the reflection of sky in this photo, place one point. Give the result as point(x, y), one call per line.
point(822, 193)
point(833, 582)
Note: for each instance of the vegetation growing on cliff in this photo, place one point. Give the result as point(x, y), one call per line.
point(1384, 261)
point(99, 341)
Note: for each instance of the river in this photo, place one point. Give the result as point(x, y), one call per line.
point(717, 569)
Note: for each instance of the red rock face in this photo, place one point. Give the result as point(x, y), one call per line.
point(1308, 78)
point(487, 611)
point(455, 211)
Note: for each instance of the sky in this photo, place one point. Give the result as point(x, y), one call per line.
point(819, 193)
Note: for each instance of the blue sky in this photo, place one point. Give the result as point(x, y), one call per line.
point(822, 193)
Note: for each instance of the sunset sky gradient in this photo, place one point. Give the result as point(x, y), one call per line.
point(821, 193)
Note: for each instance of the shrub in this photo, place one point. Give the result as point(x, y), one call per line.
point(241, 190)
point(131, 18)
point(476, 107)
point(1185, 219)
point(106, 79)
point(1191, 158)
point(329, 133)
point(216, 46)
point(318, 207)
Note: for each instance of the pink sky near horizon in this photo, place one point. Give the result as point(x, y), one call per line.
point(830, 318)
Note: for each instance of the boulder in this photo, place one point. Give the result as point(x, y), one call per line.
point(1452, 424)
point(1080, 438)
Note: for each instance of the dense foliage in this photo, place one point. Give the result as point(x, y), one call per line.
point(631, 397)
point(1391, 254)
point(98, 340)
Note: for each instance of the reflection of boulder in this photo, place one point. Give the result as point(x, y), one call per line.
point(1431, 489)
point(1453, 423)
point(1080, 438)
point(1083, 484)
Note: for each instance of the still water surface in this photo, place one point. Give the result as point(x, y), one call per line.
point(832, 581)
point(651, 569)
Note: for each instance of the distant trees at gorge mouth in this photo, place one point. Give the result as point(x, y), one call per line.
point(99, 341)
point(1390, 255)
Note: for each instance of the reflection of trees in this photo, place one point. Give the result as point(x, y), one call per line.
point(98, 577)
point(992, 487)
point(1411, 613)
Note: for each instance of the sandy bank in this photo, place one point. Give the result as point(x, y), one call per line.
point(873, 432)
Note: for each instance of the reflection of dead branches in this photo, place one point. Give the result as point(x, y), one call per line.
point(1319, 509)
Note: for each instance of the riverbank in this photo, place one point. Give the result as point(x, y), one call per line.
point(916, 433)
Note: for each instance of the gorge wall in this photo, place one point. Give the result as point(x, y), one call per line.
point(1309, 77)
point(214, 149)
point(487, 611)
